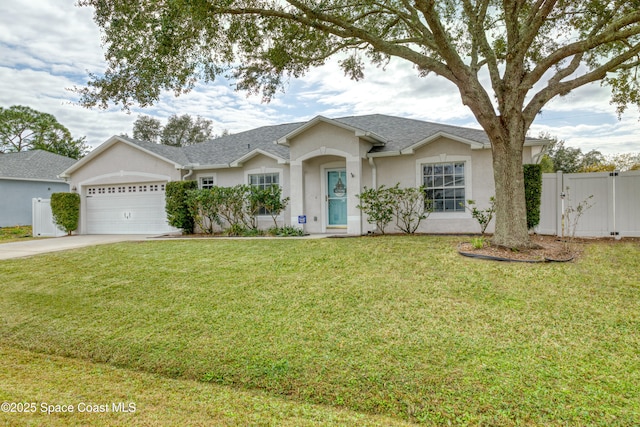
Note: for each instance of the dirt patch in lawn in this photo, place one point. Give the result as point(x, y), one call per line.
point(552, 248)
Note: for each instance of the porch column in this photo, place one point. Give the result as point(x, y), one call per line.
point(296, 188)
point(354, 185)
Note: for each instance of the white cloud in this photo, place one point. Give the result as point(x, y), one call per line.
point(48, 46)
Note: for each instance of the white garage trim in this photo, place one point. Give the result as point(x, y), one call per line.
point(132, 176)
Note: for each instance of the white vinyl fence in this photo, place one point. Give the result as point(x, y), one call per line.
point(42, 219)
point(613, 197)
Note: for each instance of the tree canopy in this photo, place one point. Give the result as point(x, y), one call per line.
point(23, 128)
point(507, 58)
point(179, 130)
point(559, 157)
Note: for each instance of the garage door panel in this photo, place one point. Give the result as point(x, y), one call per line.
point(126, 209)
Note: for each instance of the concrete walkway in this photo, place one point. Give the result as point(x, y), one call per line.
point(40, 246)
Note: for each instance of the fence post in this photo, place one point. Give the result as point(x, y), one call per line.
point(560, 204)
point(613, 226)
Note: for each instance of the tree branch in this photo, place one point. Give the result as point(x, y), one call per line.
point(562, 88)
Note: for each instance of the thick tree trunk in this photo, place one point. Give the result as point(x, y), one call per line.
point(511, 214)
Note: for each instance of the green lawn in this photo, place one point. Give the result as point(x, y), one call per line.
point(18, 232)
point(398, 326)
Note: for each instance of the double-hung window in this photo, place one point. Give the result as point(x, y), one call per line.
point(264, 181)
point(207, 182)
point(445, 186)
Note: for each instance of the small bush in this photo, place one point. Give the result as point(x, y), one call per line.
point(478, 242)
point(65, 208)
point(378, 204)
point(204, 205)
point(177, 207)
point(286, 231)
point(411, 207)
point(483, 216)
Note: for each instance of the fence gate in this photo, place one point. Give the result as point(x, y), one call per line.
point(42, 219)
point(610, 203)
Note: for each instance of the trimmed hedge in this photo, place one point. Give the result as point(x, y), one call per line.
point(177, 207)
point(533, 192)
point(65, 208)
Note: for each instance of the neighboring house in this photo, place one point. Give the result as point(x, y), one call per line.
point(27, 175)
point(322, 165)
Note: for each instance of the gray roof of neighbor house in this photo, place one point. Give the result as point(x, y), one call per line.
point(34, 165)
point(398, 133)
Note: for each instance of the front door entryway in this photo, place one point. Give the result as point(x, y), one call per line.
point(337, 197)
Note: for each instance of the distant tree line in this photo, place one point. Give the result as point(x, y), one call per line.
point(22, 128)
point(558, 157)
point(178, 132)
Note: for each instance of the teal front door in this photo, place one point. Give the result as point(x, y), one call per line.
point(337, 198)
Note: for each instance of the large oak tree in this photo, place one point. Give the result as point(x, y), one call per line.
point(508, 58)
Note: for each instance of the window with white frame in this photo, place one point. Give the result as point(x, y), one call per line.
point(262, 181)
point(207, 182)
point(445, 185)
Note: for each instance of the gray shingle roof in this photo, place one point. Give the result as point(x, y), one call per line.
point(33, 165)
point(401, 133)
point(398, 132)
point(230, 148)
point(175, 154)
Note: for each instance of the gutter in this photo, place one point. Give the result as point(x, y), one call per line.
point(188, 175)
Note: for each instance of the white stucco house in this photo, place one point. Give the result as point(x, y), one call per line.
point(322, 165)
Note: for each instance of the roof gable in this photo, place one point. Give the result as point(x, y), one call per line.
point(172, 155)
point(365, 134)
point(34, 165)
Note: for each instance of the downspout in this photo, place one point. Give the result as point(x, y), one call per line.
point(374, 173)
point(188, 175)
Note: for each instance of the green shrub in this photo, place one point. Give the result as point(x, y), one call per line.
point(407, 205)
point(235, 230)
point(204, 205)
point(233, 209)
point(65, 208)
point(483, 216)
point(285, 231)
point(478, 242)
point(411, 207)
point(273, 202)
point(178, 211)
point(378, 204)
point(533, 192)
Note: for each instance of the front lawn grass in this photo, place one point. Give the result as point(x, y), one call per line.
point(399, 326)
point(13, 234)
point(102, 395)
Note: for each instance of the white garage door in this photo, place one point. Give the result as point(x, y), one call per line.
point(133, 208)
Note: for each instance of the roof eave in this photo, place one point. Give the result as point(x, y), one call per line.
point(240, 161)
point(53, 181)
point(384, 154)
point(475, 145)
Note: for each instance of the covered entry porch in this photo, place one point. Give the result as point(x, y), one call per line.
point(324, 186)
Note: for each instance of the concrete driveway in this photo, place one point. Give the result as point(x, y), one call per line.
point(54, 244)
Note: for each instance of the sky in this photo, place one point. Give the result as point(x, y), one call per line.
point(50, 46)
